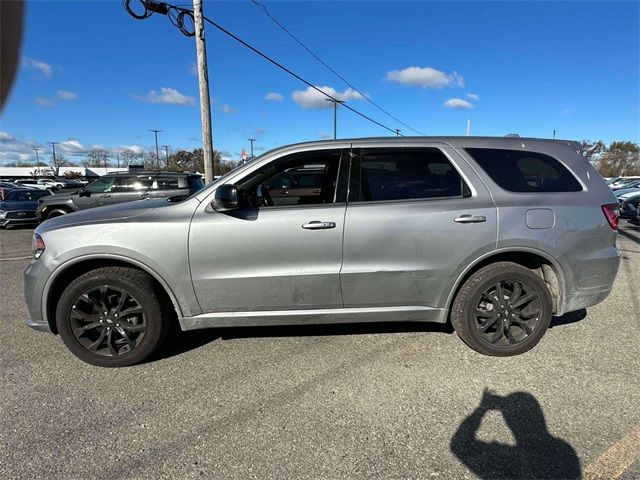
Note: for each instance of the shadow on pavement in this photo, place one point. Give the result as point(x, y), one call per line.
point(185, 341)
point(536, 454)
point(568, 318)
point(629, 236)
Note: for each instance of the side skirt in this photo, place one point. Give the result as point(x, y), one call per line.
point(306, 317)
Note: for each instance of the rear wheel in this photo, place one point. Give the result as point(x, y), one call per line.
point(113, 317)
point(503, 309)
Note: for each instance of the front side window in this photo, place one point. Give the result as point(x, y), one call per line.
point(308, 178)
point(171, 183)
point(404, 174)
point(101, 185)
point(522, 171)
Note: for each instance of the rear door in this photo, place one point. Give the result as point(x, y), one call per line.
point(416, 217)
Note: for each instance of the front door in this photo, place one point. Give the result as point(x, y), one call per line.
point(272, 253)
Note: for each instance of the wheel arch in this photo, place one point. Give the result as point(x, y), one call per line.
point(64, 274)
point(541, 263)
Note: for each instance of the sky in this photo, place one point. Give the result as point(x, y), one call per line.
point(93, 76)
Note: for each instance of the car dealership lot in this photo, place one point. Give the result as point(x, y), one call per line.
point(354, 401)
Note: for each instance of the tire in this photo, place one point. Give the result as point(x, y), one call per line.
point(56, 212)
point(133, 306)
point(502, 328)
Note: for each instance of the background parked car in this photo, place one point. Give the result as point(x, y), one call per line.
point(121, 187)
point(629, 204)
point(18, 206)
point(34, 184)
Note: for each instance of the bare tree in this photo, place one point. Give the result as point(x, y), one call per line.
point(98, 157)
point(622, 158)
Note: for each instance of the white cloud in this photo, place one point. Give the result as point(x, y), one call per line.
point(44, 101)
point(473, 96)
point(324, 135)
point(64, 95)
point(169, 96)
point(311, 98)
point(193, 69)
point(566, 113)
point(226, 108)
point(274, 97)
point(425, 77)
point(72, 147)
point(457, 103)
point(44, 68)
point(137, 149)
point(5, 137)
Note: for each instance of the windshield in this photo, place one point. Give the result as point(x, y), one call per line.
point(25, 195)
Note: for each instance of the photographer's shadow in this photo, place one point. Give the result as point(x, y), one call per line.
point(536, 454)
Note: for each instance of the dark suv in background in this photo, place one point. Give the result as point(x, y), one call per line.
point(121, 187)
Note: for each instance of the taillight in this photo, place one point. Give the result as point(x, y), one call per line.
point(38, 246)
point(611, 212)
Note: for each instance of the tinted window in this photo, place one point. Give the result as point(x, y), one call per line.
point(195, 183)
point(171, 183)
point(402, 174)
point(132, 184)
point(522, 171)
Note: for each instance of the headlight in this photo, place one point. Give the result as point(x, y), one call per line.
point(37, 246)
point(3, 213)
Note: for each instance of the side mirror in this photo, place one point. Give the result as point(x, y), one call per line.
point(225, 198)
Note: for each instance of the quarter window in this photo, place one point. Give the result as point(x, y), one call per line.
point(404, 174)
point(522, 171)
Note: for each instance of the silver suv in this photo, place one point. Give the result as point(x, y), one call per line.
point(495, 235)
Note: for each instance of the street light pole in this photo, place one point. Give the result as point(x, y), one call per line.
point(251, 140)
point(335, 115)
point(157, 155)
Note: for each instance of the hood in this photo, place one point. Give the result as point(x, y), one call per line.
point(109, 213)
point(19, 205)
point(59, 198)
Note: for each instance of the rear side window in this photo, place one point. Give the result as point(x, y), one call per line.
point(132, 184)
point(522, 171)
point(195, 183)
point(171, 183)
point(404, 174)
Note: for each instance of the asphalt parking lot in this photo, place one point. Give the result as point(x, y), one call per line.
point(363, 401)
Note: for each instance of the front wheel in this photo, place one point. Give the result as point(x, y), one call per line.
point(113, 317)
point(503, 309)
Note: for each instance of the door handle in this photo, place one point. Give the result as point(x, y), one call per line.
point(105, 196)
point(318, 225)
point(143, 195)
point(467, 218)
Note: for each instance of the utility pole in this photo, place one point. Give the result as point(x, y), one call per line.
point(554, 134)
point(118, 158)
point(203, 82)
point(335, 115)
point(157, 155)
point(251, 140)
point(468, 126)
point(55, 162)
point(397, 132)
point(37, 161)
point(166, 155)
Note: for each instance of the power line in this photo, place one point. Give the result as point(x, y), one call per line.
point(332, 70)
point(174, 12)
point(293, 74)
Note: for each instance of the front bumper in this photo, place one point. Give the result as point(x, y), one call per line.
point(19, 221)
point(35, 278)
point(39, 325)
